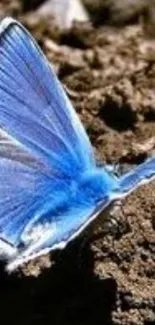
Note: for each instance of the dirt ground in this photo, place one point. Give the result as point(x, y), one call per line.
point(108, 69)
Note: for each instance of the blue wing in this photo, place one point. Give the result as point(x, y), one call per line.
point(57, 233)
point(34, 108)
point(25, 189)
point(43, 147)
point(36, 214)
point(140, 175)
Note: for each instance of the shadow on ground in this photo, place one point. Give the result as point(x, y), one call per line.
point(63, 294)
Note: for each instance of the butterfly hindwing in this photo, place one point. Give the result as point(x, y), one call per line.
point(31, 198)
point(138, 176)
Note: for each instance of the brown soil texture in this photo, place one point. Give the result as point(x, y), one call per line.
point(109, 75)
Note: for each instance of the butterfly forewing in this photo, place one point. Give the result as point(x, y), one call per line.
point(34, 107)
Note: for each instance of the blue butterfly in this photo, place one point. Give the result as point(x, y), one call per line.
point(51, 188)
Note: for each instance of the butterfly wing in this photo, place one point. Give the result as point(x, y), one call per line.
point(57, 235)
point(24, 187)
point(138, 176)
point(35, 210)
point(34, 108)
